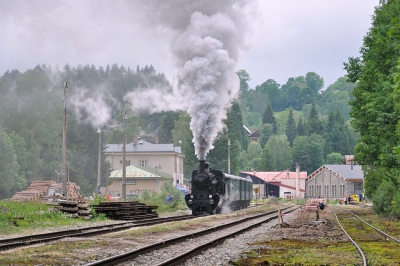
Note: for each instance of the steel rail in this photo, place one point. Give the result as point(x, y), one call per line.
point(364, 260)
point(11, 243)
point(134, 253)
point(378, 230)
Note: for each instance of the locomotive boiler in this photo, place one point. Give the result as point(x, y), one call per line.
point(212, 191)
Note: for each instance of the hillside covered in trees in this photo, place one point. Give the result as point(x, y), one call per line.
point(298, 122)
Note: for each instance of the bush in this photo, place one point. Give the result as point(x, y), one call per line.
point(384, 199)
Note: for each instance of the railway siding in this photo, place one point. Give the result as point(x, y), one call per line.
point(378, 247)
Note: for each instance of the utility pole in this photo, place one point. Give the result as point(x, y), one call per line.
point(229, 156)
point(64, 148)
point(124, 162)
point(99, 162)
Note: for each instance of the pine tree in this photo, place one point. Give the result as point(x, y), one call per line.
point(268, 117)
point(291, 131)
point(314, 125)
point(167, 125)
point(301, 130)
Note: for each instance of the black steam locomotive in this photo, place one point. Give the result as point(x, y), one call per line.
point(212, 191)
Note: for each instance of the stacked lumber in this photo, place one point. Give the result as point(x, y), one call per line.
point(40, 190)
point(34, 192)
point(32, 195)
point(126, 210)
point(73, 190)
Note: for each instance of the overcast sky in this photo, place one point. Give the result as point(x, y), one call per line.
point(286, 38)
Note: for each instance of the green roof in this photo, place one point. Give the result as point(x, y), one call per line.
point(142, 172)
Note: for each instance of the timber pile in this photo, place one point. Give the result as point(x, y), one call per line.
point(34, 192)
point(126, 210)
point(39, 190)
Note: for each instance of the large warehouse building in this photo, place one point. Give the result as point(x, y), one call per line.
point(335, 182)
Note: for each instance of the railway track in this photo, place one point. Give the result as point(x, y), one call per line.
point(12, 243)
point(374, 246)
point(172, 251)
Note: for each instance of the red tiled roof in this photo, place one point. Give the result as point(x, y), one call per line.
point(277, 176)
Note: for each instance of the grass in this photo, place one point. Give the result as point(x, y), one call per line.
point(299, 252)
point(17, 217)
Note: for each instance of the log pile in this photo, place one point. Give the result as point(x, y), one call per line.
point(126, 210)
point(34, 192)
point(40, 190)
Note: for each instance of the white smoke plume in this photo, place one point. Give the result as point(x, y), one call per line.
point(207, 37)
point(90, 106)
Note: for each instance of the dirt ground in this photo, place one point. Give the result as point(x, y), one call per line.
point(305, 225)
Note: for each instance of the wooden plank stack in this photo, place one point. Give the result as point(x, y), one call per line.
point(126, 210)
point(39, 190)
point(34, 192)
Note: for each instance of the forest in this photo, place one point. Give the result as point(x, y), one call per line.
point(299, 121)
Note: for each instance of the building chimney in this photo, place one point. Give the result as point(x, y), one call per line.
point(298, 180)
point(135, 138)
point(351, 166)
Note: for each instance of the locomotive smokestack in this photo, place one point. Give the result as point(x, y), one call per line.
point(202, 165)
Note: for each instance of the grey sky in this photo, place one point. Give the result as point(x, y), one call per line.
point(287, 38)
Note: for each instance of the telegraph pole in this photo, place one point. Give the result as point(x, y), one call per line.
point(123, 161)
point(64, 148)
point(229, 156)
point(99, 163)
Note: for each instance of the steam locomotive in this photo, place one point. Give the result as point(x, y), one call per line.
point(212, 191)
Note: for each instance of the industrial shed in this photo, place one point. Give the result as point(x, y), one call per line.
point(335, 181)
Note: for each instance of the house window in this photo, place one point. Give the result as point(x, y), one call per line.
point(127, 163)
point(142, 163)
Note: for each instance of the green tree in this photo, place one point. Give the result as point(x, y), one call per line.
point(244, 86)
point(337, 134)
point(254, 156)
point(166, 127)
point(300, 151)
point(183, 137)
point(291, 130)
point(301, 128)
point(268, 117)
point(314, 82)
point(266, 131)
point(281, 151)
point(9, 169)
point(268, 163)
point(271, 88)
point(374, 110)
point(334, 158)
point(314, 124)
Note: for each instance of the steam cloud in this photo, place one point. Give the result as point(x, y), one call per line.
point(207, 39)
point(91, 106)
